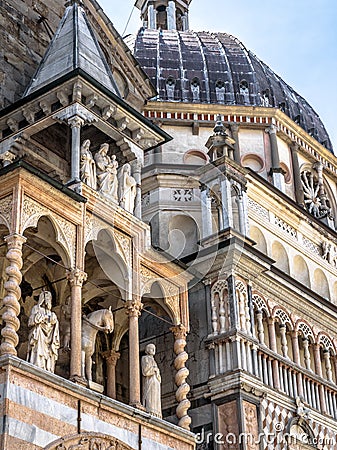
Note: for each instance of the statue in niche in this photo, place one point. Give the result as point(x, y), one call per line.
point(44, 337)
point(88, 166)
point(127, 189)
point(65, 324)
point(151, 382)
point(107, 172)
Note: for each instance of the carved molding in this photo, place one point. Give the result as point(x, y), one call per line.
point(32, 211)
point(6, 205)
point(88, 441)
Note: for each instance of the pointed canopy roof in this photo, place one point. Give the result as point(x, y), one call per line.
point(74, 46)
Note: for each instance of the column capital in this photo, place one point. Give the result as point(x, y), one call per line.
point(76, 122)
point(133, 308)
point(272, 129)
point(15, 240)
point(76, 277)
point(179, 331)
point(112, 356)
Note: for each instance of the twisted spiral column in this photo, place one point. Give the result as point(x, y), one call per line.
point(181, 375)
point(11, 303)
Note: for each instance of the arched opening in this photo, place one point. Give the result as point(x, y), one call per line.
point(183, 236)
point(45, 261)
point(106, 287)
point(154, 328)
point(258, 237)
point(279, 254)
point(320, 284)
point(300, 271)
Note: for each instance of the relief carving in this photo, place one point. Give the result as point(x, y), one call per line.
point(88, 441)
point(251, 425)
point(228, 425)
point(6, 211)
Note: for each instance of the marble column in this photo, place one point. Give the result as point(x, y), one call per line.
point(307, 357)
point(75, 123)
point(111, 358)
point(276, 171)
point(272, 335)
point(284, 343)
point(152, 18)
point(296, 349)
point(137, 175)
point(260, 328)
point(317, 358)
point(273, 347)
point(76, 278)
point(171, 15)
point(226, 201)
point(10, 303)
point(133, 309)
point(206, 211)
point(299, 194)
point(242, 203)
point(182, 373)
point(328, 368)
point(235, 135)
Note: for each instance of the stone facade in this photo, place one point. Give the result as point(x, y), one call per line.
point(240, 205)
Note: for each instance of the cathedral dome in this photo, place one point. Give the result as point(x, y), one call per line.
point(204, 67)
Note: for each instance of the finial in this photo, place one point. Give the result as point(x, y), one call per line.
point(219, 128)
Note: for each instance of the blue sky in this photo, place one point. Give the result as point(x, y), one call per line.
point(296, 38)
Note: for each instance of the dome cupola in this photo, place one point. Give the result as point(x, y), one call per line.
point(164, 14)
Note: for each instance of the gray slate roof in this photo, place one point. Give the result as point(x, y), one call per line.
point(219, 60)
point(74, 46)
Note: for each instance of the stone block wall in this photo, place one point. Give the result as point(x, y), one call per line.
point(23, 42)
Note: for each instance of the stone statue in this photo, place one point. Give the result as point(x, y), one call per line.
point(44, 337)
point(88, 166)
point(151, 382)
point(107, 172)
point(127, 189)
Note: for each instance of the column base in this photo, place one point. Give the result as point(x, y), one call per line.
point(137, 405)
point(79, 380)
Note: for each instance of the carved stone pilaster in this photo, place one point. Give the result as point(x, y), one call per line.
point(11, 303)
point(180, 333)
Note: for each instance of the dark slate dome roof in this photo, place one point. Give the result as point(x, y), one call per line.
point(205, 67)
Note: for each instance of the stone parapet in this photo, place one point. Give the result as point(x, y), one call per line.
point(40, 409)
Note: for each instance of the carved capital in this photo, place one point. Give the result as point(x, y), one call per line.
point(7, 158)
point(111, 357)
point(272, 129)
point(179, 332)
point(76, 277)
point(15, 241)
point(76, 122)
point(133, 308)
point(72, 113)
